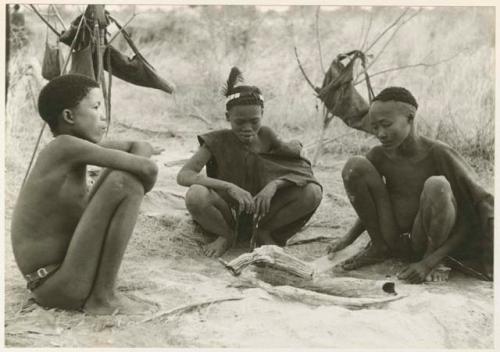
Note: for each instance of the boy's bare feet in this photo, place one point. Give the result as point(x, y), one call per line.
point(438, 274)
point(264, 238)
point(369, 255)
point(118, 304)
point(217, 247)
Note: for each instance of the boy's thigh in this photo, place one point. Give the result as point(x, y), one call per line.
point(310, 195)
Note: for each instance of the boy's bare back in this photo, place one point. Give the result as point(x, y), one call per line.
point(49, 207)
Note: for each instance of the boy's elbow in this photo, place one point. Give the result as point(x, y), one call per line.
point(182, 179)
point(151, 171)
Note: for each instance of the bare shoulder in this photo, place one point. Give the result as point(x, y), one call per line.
point(57, 150)
point(375, 154)
point(267, 133)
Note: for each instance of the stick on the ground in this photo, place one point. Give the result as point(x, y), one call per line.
point(188, 308)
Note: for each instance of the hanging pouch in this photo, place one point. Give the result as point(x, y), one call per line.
point(52, 58)
point(82, 62)
point(52, 61)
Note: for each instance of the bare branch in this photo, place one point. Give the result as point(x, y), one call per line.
point(367, 32)
point(386, 29)
point(318, 40)
point(58, 15)
point(377, 56)
point(303, 72)
point(420, 64)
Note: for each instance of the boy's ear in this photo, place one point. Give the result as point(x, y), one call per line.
point(411, 116)
point(227, 116)
point(68, 116)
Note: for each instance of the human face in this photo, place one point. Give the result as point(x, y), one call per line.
point(245, 121)
point(88, 118)
point(390, 123)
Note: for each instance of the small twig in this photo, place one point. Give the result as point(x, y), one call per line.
point(200, 117)
point(467, 269)
point(385, 30)
point(175, 162)
point(319, 41)
point(324, 239)
point(303, 72)
point(188, 308)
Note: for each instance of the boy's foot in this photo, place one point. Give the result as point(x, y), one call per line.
point(369, 255)
point(217, 247)
point(264, 238)
point(119, 304)
point(438, 274)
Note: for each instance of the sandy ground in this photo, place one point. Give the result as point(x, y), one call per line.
point(164, 265)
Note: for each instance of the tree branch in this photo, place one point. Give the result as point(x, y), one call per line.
point(303, 72)
point(367, 32)
point(318, 40)
point(386, 29)
point(420, 64)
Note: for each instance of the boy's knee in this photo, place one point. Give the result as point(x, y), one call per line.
point(437, 191)
point(123, 182)
point(196, 198)
point(312, 195)
point(437, 186)
point(356, 167)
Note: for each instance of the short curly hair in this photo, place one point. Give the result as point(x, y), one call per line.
point(400, 94)
point(63, 92)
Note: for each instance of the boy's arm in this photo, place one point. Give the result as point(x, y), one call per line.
point(131, 157)
point(190, 174)
point(354, 232)
point(137, 148)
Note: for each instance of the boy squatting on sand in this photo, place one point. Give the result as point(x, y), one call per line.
point(68, 243)
point(249, 171)
point(416, 197)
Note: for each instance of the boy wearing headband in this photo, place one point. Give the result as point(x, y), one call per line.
point(250, 173)
point(416, 197)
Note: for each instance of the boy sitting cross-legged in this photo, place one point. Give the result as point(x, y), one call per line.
point(416, 197)
point(68, 243)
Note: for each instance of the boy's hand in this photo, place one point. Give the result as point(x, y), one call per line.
point(262, 201)
point(244, 198)
point(415, 273)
